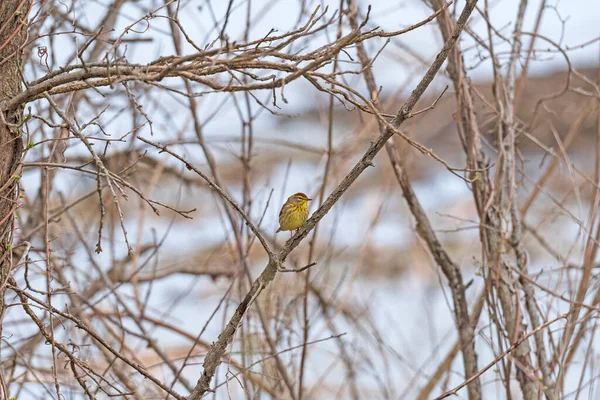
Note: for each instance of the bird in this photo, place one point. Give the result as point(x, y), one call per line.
point(294, 212)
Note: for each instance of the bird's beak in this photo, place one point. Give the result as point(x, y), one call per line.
point(308, 199)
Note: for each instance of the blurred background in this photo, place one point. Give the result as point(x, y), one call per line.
point(375, 311)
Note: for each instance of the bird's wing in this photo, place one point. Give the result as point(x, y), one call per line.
point(281, 211)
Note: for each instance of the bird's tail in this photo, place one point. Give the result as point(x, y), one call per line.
point(278, 230)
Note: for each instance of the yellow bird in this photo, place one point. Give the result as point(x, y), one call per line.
point(294, 212)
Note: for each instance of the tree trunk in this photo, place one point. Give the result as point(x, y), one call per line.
point(13, 25)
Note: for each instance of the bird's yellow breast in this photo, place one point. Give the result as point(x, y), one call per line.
point(294, 218)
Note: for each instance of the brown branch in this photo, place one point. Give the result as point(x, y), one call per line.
point(516, 237)
point(449, 268)
point(214, 355)
point(425, 231)
point(445, 365)
point(501, 356)
point(198, 65)
point(489, 195)
point(12, 36)
point(97, 337)
point(219, 190)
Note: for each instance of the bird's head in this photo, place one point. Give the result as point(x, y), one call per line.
point(299, 198)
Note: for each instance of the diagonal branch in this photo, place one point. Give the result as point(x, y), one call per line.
point(220, 191)
point(504, 354)
point(215, 353)
point(451, 271)
point(425, 231)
